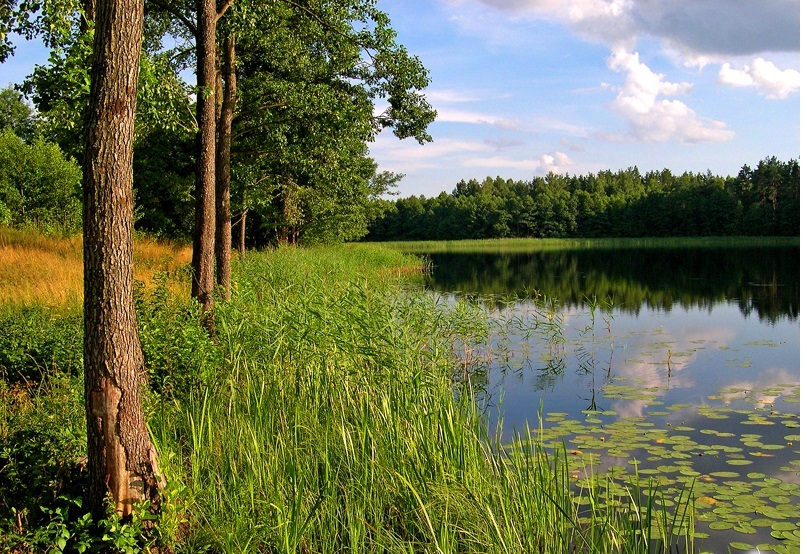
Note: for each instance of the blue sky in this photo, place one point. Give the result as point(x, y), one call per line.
point(525, 87)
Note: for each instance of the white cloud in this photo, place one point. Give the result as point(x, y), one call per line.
point(450, 96)
point(764, 75)
point(556, 163)
point(502, 162)
point(451, 115)
point(655, 119)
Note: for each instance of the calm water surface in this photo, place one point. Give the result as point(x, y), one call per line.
point(685, 370)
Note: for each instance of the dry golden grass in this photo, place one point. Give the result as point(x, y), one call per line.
point(36, 269)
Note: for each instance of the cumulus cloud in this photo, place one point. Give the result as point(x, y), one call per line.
point(556, 163)
point(764, 75)
point(653, 118)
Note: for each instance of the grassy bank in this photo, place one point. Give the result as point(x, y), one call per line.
point(326, 418)
point(530, 245)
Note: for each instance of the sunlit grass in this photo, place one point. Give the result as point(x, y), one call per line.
point(47, 270)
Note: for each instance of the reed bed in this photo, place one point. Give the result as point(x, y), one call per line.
point(337, 427)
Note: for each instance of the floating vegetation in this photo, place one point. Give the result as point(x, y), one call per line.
point(760, 503)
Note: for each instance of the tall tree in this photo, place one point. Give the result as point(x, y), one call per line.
point(205, 221)
point(202, 27)
point(224, 233)
point(122, 460)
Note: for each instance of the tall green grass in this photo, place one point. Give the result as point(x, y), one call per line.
point(335, 426)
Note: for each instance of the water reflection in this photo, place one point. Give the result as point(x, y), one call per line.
point(692, 373)
point(761, 281)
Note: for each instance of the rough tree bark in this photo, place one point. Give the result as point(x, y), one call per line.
point(122, 461)
point(224, 232)
point(205, 220)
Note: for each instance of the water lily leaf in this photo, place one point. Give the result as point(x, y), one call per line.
point(785, 549)
point(762, 522)
point(741, 545)
point(783, 526)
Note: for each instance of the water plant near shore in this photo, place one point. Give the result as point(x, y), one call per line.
point(338, 427)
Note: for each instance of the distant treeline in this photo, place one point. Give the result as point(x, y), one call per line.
point(763, 201)
point(762, 280)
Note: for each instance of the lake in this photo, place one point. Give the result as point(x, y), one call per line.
point(674, 364)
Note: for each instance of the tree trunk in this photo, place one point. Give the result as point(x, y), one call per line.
point(205, 222)
point(242, 233)
point(224, 232)
point(122, 461)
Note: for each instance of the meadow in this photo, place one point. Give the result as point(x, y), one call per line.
point(326, 416)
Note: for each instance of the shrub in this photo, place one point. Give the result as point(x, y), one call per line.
point(38, 185)
point(35, 342)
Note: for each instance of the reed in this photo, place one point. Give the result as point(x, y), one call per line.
point(337, 426)
point(333, 413)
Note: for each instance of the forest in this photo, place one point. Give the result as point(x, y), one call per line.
point(759, 201)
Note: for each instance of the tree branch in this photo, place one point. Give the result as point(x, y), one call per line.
point(224, 7)
point(176, 13)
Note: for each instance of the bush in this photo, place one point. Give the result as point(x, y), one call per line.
point(35, 342)
point(38, 185)
point(178, 353)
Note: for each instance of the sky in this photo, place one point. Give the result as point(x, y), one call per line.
point(527, 87)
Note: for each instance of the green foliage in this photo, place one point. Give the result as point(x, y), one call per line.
point(36, 342)
point(179, 361)
point(308, 83)
point(16, 114)
point(164, 171)
point(38, 184)
point(759, 202)
point(42, 441)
